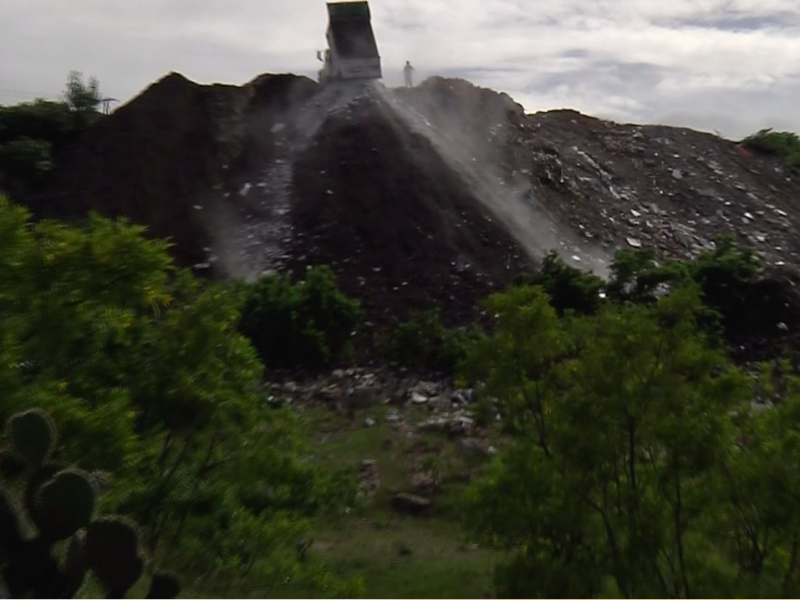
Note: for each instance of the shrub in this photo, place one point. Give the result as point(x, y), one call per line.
point(306, 323)
point(424, 342)
point(784, 144)
point(144, 370)
point(26, 157)
point(41, 120)
point(569, 288)
point(636, 276)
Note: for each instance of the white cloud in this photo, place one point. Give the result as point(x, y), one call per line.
point(726, 64)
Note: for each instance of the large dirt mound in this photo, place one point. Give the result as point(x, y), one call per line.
point(156, 159)
point(402, 230)
point(429, 196)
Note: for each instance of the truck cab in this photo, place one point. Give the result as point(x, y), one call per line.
point(352, 53)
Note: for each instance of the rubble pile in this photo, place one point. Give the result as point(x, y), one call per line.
point(431, 196)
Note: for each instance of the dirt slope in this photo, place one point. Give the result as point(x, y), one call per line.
point(157, 158)
point(401, 229)
point(434, 195)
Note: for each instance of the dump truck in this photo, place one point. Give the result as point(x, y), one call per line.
point(352, 53)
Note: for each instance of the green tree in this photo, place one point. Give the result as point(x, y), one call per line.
point(570, 289)
point(423, 342)
point(144, 369)
point(305, 323)
point(785, 144)
point(625, 473)
point(82, 96)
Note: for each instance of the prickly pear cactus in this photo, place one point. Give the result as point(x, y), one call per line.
point(75, 565)
point(60, 502)
point(164, 585)
point(65, 504)
point(113, 553)
point(32, 435)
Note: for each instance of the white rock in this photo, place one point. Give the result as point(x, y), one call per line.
point(418, 398)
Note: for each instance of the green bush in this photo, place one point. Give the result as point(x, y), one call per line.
point(26, 157)
point(40, 120)
point(637, 278)
point(144, 370)
point(784, 144)
point(570, 289)
point(637, 467)
point(306, 323)
point(424, 342)
point(726, 277)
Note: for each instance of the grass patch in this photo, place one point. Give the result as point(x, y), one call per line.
point(399, 556)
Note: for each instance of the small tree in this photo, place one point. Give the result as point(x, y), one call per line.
point(82, 96)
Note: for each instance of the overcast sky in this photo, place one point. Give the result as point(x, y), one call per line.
point(729, 65)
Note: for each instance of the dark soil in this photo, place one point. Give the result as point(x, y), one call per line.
point(401, 230)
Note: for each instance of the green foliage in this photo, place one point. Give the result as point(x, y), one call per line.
point(569, 288)
point(26, 157)
point(33, 134)
point(143, 367)
point(779, 143)
point(61, 502)
point(636, 276)
point(305, 323)
point(514, 361)
point(726, 276)
point(639, 469)
point(424, 342)
point(41, 120)
point(82, 96)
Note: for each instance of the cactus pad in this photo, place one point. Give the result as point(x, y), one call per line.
point(32, 434)
point(10, 533)
point(112, 546)
point(65, 504)
point(164, 585)
point(75, 566)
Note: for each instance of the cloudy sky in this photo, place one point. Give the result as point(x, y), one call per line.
point(726, 65)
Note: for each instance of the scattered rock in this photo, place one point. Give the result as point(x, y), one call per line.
point(369, 422)
point(423, 482)
point(473, 447)
point(394, 417)
point(410, 504)
point(418, 398)
point(425, 388)
point(331, 393)
point(364, 396)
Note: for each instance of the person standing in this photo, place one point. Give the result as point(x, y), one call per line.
point(408, 72)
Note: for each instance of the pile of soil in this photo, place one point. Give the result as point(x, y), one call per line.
point(432, 196)
point(399, 227)
point(157, 158)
